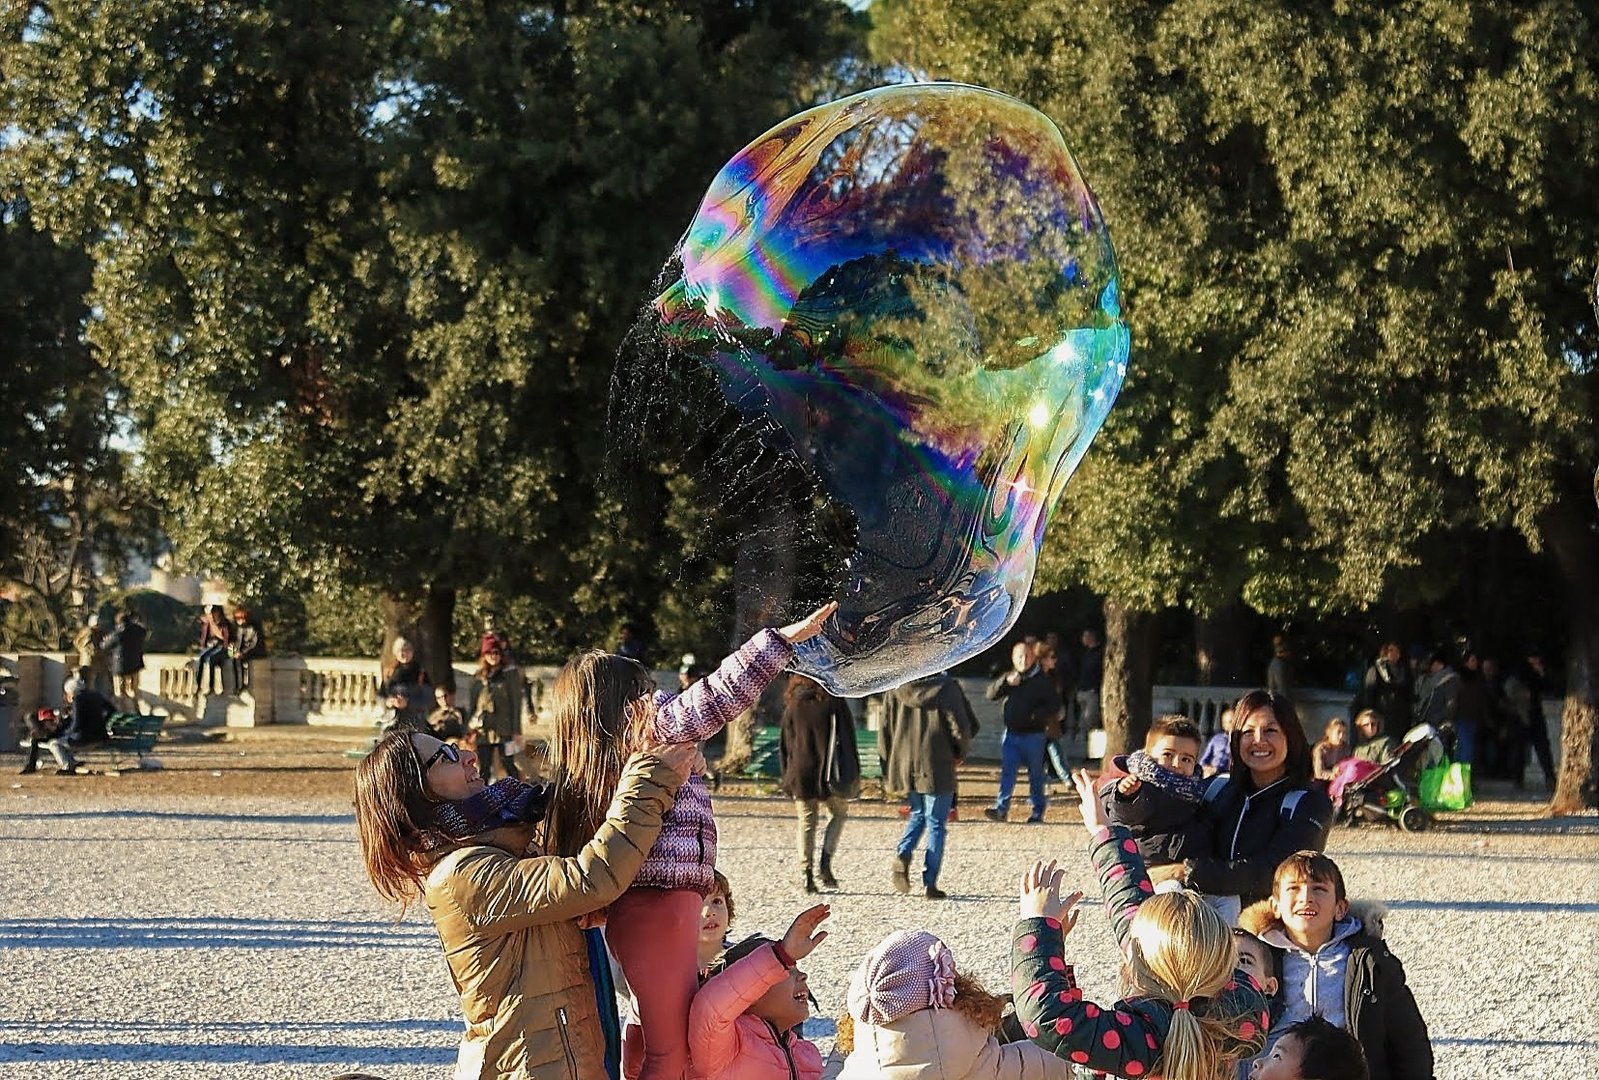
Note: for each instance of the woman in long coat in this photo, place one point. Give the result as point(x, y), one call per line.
point(821, 767)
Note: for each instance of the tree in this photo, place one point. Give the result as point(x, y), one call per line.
point(363, 267)
point(1147, 522)
point(1356, 243)
point(67, 514)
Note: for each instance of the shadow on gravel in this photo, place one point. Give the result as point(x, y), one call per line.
point(210, 933)
point(327, 1056)
point(1558, 826)
point(1507, 907)
point(174, 815)
point(1509, 1044)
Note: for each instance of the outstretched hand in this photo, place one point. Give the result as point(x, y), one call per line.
point(1041, 898)
point(1093, 810)
point(809, 626)
point(802, 936)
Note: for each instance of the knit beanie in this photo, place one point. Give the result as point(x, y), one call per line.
point(910, 970)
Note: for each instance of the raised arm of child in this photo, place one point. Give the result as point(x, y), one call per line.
point(713, 1018)
point(711, 704)
point(1124, 1040)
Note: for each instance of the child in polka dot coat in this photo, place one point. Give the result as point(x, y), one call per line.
point(1190, 1013)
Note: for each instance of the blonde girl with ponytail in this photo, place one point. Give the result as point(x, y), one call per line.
point(1188, 1012)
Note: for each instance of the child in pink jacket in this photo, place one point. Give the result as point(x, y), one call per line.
point(744, 1023)
point(605, 707)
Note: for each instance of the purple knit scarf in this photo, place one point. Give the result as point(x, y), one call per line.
point(508, 802)
point(1147, 769)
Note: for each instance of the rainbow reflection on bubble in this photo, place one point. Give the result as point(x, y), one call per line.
point(911, 290)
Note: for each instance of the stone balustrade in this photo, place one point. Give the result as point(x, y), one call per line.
point(344, 692)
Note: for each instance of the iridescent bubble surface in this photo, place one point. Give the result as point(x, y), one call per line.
point(913, 292)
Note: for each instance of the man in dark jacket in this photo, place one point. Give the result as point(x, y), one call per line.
point(1388, 689)
point(1031, 704)
point(1525, 689)
point(927, 726)
point(126, 645)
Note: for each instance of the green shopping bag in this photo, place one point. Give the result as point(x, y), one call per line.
point(1446, 786)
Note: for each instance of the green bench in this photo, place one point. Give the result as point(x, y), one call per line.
point(764, 758)
point(132, 734)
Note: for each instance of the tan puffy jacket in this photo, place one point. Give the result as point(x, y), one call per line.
point(943, 1044)
point(511, 938)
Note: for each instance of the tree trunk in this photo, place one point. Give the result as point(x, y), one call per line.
point(1127, 694)
point(1569, 533)
point(1221, 646)
point(426, 618)
point(763, 589)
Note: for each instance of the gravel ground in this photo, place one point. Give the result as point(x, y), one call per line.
point(212, 920)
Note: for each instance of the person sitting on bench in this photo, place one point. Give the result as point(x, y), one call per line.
point(81, 721)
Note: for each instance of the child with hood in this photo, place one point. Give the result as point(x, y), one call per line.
point(1335, 965)
point(913, 1016)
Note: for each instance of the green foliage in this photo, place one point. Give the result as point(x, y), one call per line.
point(363, 267)
point(67, 513)
point(1354, 242)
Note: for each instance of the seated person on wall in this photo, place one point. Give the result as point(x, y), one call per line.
point(1372, 745)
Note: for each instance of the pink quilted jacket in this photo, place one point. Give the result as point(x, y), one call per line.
point(726, 1043)
point(684, 857)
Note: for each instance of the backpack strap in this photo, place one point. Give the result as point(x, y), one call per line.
point(1290, 803)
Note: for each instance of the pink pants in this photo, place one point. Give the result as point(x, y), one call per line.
point(655, 934)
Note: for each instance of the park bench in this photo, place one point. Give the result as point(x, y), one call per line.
point(128, 734)
point(764, 756)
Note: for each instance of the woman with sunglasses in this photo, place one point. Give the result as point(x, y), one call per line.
point(507, 915)
point(1268, 808)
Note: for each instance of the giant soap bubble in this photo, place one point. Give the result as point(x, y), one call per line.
point(910, 292)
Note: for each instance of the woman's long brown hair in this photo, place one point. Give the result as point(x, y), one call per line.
point(593, 738)
point(392, 810)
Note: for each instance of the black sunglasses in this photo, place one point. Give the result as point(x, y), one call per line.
point(447, 751)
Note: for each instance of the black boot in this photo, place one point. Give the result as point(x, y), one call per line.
point(824, 872)
point(810, 882)
point(902, 874)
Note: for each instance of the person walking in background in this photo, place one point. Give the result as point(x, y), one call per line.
point(216, 634)
point(1218, 755)
point(1054, 758)
point(496, 709)
point(92, 654)
point(1280, 672)
point(1525, 689)
point(927, 726)
point(1090, 674)
point(1438, 695)
point(405, 688)
point(446, 721)
point(1031, 703)
point(1474, 708)
point(1389, 689)
point(631, 643)
point(125, 644)
point(247, 646)
point(821, 767)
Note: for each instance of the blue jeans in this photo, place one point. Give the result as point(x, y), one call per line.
point(1465, 741)
point(1014, 752)
point(930, 812)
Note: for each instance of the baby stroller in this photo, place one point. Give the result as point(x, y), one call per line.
point(1389, 791)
